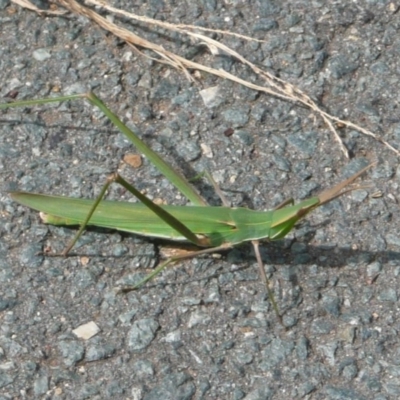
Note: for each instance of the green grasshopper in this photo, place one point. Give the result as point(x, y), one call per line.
point(211, 229)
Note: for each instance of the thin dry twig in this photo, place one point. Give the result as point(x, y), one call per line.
point(30, 6)
point(276, 87)
point(172, 27)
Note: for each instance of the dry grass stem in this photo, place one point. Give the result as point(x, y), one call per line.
point(273, 85)
point(30, 6)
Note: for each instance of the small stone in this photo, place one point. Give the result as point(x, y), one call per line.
point(173, 337)
point(145, 81)
point(86, 331)
point(31, 255)
point(388, 295)
point(41, 385)
point(373, 269)
point(134, 160)
point(99, 352)
point(41, 55)
point(341, 66)
point(72, 352)
point(321, 327)
point(392, 240)
point(199, 317)
point(236, 117)
point(127, 317)
point(329, 351)
point(206, 150)
point(142, 334)
point(143, 369)
point(210, 96)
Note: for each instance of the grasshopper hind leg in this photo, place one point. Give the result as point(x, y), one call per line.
point(264, 278)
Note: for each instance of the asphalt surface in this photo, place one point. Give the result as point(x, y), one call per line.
point(203, 329)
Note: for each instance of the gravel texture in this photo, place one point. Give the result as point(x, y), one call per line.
point(205, 328)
